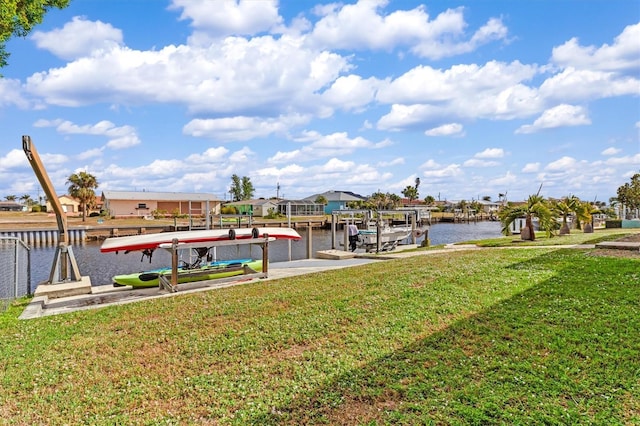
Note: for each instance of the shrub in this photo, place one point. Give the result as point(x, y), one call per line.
point(610, 224)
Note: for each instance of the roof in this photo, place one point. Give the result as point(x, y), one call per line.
point(10, 204)
point(338, 196)
point(258, 202)
point(298, 202)
point(157, 196)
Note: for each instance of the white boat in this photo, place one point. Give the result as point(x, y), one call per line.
point(390, 237)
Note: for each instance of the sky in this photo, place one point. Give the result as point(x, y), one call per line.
point(475, 98)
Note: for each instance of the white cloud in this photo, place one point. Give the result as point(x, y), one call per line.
point(324, 146)
point(430, 164)
point(448, 171)
point(118, 137)
point(424, 83)
point(451, 129)
point(611, 151)
point(563, 164)
point(494, 91)
point(622, 55)
point(476, 162)
point(79, 38)
point(53, 159)
point(340, 27)
point(506, 180)
point(351, 92)
point(629, 160)
point(222, 18)
point(91, 153)
point(14, 159)
point(243, 155)
point(484, 158)
point(11, 94)
point(234, 129)
point(531, 168)
point(337, 165)
point(559, 116)
point(395, 162)
point(211, 155)
point(286, 157)
point(576, 85)
point(490, 153)
point(268, 76)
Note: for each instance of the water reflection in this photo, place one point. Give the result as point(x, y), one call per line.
point(102, 266)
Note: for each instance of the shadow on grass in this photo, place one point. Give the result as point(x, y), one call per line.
point(566, 351)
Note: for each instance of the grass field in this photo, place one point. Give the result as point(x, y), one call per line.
point(536, 336)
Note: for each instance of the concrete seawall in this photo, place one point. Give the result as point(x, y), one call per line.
point(36, 237)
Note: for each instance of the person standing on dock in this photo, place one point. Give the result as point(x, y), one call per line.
point(353, 236)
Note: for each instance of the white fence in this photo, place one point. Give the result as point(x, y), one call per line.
point(15, 270)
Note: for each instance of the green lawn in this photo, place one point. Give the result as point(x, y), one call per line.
point(538, 336)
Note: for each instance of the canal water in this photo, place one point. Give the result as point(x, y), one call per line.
point(102, 266)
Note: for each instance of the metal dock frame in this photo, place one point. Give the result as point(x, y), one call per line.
point(170, 282)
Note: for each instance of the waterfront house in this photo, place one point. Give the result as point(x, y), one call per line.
point(11, 206)
point(490, 207)
point(336, 200)
point(122, 204)
point(256, 208)
point(301, 208)
point(70, 205)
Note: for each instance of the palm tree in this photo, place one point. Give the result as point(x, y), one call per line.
point(411, 193)
point(81, 186)
point(565, 207)
point(584, 213)
point(321, 199)
point(26, 199)
point(534, 207)
point(382, 201)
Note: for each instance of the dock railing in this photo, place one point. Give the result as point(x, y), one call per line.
point(15, 270)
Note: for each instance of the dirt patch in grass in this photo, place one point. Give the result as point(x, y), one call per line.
point(628, 254)
point(633, 238)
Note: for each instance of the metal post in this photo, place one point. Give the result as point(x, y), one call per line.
point(309, 241)
point(414, 239)
point(289, 224)
point(174, 263)
point(16, 269)
point(345, 237)
point(333, 231)
point(208, 215)
point(265, 254)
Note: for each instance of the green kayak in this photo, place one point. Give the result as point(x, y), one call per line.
point(209, 271)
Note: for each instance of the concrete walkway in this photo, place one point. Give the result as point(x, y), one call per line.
point(45, 304)
point(106, 295)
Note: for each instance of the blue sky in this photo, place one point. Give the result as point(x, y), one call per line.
point(476, 98)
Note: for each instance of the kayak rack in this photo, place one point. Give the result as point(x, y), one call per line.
point(169, 282)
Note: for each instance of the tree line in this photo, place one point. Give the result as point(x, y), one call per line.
point(82, 187)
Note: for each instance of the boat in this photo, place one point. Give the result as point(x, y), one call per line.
point(188, 273)
point(153, 241)
point(390, 237)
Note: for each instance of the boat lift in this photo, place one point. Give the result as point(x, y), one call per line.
point(365, 216)
point(169, 282)
point(64, 268)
